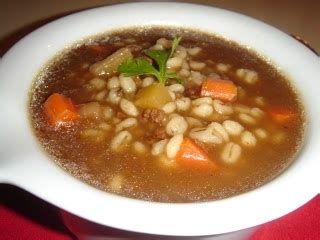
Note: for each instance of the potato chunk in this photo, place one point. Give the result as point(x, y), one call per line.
point(109, 66)
point(153, 96)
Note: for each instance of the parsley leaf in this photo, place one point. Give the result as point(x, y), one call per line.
point(175, 44)
point(175, 76)
point(137, 66)
point(140, 66)
point(161, 58)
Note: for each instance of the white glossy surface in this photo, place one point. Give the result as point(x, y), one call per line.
point(23, 163)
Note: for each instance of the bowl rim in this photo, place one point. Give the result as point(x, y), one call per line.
point(218, 216)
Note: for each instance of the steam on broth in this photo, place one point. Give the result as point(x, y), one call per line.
point(166, 115)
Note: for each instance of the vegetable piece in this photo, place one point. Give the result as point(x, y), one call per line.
point(219, 89)
point(174, 45)
point(161, 58)
point(281, 114)
point(60, 109)
point(153, 96)
point(109, 66)
point(192, 155)
point(140, 66)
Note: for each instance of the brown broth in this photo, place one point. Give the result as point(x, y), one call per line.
point(145, 178)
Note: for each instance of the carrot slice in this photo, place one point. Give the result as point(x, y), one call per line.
point(60, 109)
point(220, 89)
point(281, 114)
point(192, 155)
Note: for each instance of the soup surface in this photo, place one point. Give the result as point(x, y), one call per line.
point(166, 115)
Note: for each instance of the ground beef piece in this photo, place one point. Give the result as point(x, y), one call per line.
point(153, 115)
point(193, 91)
point(155, 136)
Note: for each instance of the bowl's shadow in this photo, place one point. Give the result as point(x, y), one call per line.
point(32, 208)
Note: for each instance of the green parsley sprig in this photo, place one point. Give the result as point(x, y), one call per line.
point(141, 66)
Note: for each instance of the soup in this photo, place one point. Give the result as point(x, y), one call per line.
point(166, 115)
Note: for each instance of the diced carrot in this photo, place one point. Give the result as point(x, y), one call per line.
point(220, 89)
point(192, 155)
point(60, 109)
point(281, 114)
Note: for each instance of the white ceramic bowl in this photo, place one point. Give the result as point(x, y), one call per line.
point(23, 163)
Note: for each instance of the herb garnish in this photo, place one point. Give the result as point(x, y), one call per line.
point(141, 66)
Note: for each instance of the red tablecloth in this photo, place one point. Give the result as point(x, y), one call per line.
point(23, 216)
